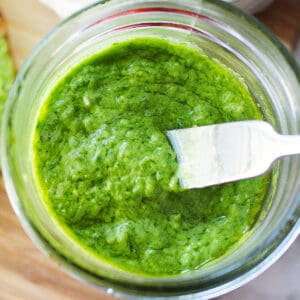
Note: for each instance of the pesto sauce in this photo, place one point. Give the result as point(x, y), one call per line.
point(108, 172)
point(7, 73)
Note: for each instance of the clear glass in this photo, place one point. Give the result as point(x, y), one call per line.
point(251, 6)
point(222, 32)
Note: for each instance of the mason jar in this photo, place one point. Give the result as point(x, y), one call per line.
point(223, 33)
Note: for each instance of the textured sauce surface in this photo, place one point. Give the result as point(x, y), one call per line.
point(6, 73)
point(108, 172)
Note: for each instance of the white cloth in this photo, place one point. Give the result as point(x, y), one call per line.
point(65, 8)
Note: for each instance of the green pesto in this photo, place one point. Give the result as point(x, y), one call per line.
point(108, 172)
point(6, 73)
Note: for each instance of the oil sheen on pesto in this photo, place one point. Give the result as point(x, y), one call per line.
point(108, 172)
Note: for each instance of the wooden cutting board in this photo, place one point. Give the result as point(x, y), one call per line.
point(24, 272)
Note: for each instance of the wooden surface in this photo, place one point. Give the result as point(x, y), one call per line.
point(24, 272)
point(283, 18)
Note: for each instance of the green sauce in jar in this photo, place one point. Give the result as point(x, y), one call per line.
point(109, 174)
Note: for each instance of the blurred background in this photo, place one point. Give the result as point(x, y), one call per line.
point(25, 273)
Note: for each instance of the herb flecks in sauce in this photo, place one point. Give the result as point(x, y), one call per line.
point(108, 172)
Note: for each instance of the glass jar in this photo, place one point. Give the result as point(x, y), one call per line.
point(223, 33)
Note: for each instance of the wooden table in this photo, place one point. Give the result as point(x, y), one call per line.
point(24, 272)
